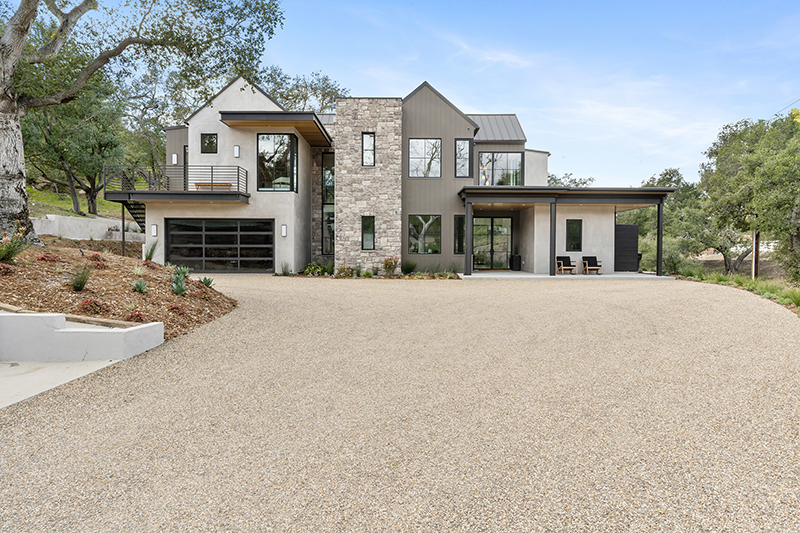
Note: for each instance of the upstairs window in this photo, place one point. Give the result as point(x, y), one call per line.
point(574, 235)
point(368, 149)
point(462, 158)
point(277, 162)
point(425, 158)
point(501, 168)
point(208, 143)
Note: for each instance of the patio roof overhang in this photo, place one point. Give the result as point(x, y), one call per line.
point(515, 198)
point(307, 124)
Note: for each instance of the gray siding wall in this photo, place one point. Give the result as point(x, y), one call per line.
point(426, 116)
point(177, 138)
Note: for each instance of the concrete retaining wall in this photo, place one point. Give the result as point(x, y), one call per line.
point(44, 337)
point(83, 228)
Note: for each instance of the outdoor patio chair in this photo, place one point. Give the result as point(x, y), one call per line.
point(565, 263)
point(590, 263)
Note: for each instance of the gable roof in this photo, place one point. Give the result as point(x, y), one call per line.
point(234, 80)
point(499, 128)
point(445, 100)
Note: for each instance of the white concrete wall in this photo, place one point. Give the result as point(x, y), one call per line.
point(598, 234)
point(527, 236)
point(83, 228)
point(44, 337)
point(536, 167)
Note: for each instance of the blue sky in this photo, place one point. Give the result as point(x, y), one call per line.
point(614, 90)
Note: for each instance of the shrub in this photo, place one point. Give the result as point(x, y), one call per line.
point(792, 296)
point(182, 271)
point(48, 257)
point(96, 257)
point(150, 250)
point(139, 286)
point(768, 289)
point(6, 270)
point(453, 267)
point(138, 271)
point(207, 281)
point(375, 270)
point(99, 265)
point(314, 269)
point(359, 269)
point(134, 317)
point(285, 269)
point(390, 264)
point(11, 244)
point(368, 273)
point(329, 268)
point(673, 262)
point(179, 285)
point(717, 277)
point(739, 280)
point(175, 308)
point(80, 277)
point(694, 272)
point(408, 267)
point(201, 293)
point(93, 307)
point(346, 271)
point(150, 264)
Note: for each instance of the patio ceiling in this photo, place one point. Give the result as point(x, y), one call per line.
point(307, 124)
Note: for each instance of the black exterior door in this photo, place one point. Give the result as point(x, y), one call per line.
point(626, 248)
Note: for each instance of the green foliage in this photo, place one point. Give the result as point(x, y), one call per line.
point(314, 269)
point(346, 271)
point(12, 243)
point(179, 285)
point(80, 277)
point(359, 269)
point(368, 273)
point(792, 296)
point(315, 92)
point(329, 268)
point(739, 280)
point(182, 271)
point(694, 271)
point(207, 281)
point(567, 180)
point(717, 277)
point(139, 286)
point(390, 265)
point(375, 270)
point(408, 267)
point(285, 269)
point(150, 250)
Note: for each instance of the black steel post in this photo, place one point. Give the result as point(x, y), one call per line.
point(553, 238)
point(660, 240)
point(123, 229)
point(468, 239)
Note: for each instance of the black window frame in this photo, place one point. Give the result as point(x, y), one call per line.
point(203, 136)
point(293, 163)
point(408, 159)
point(469, 157)
point(463, 235)
point(364, 219)
point(580, 235)
point(521, 167)
point(328, 201)
point(364, 151)
point(409, 236)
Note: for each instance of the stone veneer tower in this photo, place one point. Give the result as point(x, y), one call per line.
point(368, 190)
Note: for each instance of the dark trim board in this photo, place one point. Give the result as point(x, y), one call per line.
point(177, 196)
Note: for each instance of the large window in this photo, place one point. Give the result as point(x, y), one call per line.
point(367, 233)
point(424, 234)
point(501, 168)
point(574, 235)
point(425, 158)
point(208, 143)
point(459, 234)
point(277, 162)
point(328, 178)
point(462, 158)
point(368, 149)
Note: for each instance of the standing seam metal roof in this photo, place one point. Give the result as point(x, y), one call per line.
point(498, 128)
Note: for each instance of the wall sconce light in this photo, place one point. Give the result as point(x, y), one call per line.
point(283, 230)
point(154, 230)
point(174, 159)
point(235, 150)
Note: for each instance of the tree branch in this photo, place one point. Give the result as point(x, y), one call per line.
point(12, 42)
point(66, 24)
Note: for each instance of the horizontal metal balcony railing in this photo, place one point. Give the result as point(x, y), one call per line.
point(191, 178)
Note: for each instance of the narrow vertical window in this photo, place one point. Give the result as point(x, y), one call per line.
point(208, 143)
point(328, 180)
point(368, 149)
point(459, 234)
point(574, 235)
point(367, 233)
point(462, 158)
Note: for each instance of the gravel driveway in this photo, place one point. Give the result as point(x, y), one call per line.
point(341, 405)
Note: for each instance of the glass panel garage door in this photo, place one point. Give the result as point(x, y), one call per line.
point(221, 245)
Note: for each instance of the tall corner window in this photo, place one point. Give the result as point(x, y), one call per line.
point(463, 158)
point(277, 162)
point(367, 233)
point(424, 158)
point(500, 168)
point(459, 234)
point(368, 149)
point(208, 143)
point(574, 235)
point(328, 181)
point(424, 234)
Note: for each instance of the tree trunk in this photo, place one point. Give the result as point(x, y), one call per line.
point(732, 265)
point(13, 195)
point(73, 193)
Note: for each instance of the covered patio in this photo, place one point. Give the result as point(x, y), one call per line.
point(540, 211)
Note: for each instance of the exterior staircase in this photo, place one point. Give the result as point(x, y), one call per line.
point(137, 211)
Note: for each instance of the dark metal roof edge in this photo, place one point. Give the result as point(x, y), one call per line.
point(568, 191)
point(448, 102)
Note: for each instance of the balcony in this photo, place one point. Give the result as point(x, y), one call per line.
point(191, 183)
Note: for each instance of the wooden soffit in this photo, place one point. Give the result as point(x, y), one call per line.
point(307, 124)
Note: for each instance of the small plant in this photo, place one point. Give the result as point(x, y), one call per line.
point(59, 270)
point(329, 268)
point(12, 244)
point(48, 257)
point(130, 306)
point(367, 274)
point(792, 296)
point(170, 266)
point(182, 271)
point(285, 269)
point(6, 270)
point(201, 293)
point(99, 265)
point(408, 267)
point(80, 277)
point(138, 271)
point(453, 267)
point(390, 264)
point(93, 307)
point(738, 280)
point(150, 264)
point(717, 277)
point(97, 257)
point(375, 270)
point(346, 271)
point(207, 281)
point(177, 309)
point(359, 269)
point(134, 317)
point(150, 250)
point(179, 285)
point(314, 269)
point(139, 286)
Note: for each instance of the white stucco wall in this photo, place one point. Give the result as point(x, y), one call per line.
point(598, 234)
point(536, 167)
